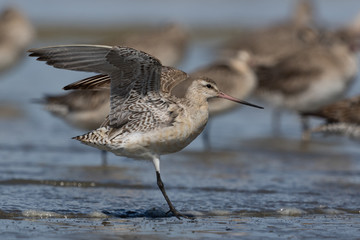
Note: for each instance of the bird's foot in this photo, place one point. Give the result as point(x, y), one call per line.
point(178, 215)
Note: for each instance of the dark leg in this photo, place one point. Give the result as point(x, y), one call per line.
point(103, 158)
point(162, 189)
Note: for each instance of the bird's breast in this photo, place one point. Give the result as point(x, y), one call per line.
point(170, 139)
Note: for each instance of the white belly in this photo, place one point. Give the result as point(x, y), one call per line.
point(157, 142)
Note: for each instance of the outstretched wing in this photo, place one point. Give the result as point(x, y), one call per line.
point(134, 74)
point(87, 58)
point(137, 77)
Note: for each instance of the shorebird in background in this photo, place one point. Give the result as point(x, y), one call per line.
point(311, 78)
point(85, 110)
point(167, 43)
point(271, 43)
point(232, 75)
point(311, 75)
point(342, 117)
point(145, 119)
point(16, 33)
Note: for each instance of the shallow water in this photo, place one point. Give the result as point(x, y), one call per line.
point(250, 185)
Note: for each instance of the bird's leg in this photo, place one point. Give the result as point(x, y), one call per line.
point(206, 136)
point(103, 158)
point(304, 123)
point(276, 121)
point(161, 186)
point(171, 206)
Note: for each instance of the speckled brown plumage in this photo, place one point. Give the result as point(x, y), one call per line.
point(346, 111)
point(342, 117)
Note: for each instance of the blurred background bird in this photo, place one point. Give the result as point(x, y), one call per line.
point(167, 42)
point(270, 43)
point(300, 64)
point(312, 77)
point(342, 117)
point(16, 34)
point(85, 110)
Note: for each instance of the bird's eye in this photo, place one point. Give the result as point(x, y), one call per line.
point(209, 86)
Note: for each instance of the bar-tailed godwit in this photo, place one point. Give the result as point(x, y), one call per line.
point(342, 117)
point(310, 78)
point(145, 119)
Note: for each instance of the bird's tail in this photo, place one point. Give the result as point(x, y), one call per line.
point(95, 138)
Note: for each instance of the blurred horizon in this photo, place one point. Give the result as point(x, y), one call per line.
point(189, 13)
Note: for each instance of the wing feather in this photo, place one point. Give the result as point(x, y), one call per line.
point(97, 82)
point(87, 58)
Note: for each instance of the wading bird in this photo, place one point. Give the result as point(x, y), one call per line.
point(145, 119)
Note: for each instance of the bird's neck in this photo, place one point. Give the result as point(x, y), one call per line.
point(196, 100)
point(198, 110)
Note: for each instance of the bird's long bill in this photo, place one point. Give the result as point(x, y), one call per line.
point(225, 96)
